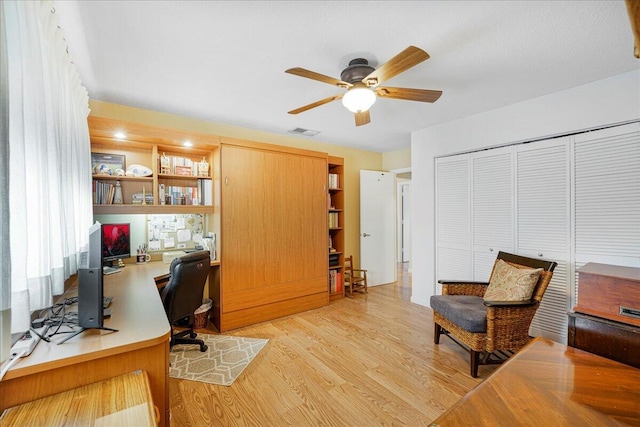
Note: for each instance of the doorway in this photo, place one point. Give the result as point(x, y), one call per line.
point(378, 226)
point(404, 220)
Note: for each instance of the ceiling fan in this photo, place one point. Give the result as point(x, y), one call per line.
point(362, 83)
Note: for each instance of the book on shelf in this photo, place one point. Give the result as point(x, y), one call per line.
point(334, 180)
point(161, 194)
point(200, 194)
point(103, 193)
point(335, 281)
point(334, 220)
point(175, 195)
point(178, 165)
point(138, 197)
point(183, 170)
point(207, 192)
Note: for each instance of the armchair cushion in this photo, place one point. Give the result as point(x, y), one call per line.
point(466, 311)
point(510, 283)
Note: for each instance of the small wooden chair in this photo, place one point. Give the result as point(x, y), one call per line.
point(354, 279)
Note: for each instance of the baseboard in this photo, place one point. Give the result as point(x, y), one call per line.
point(423, 302)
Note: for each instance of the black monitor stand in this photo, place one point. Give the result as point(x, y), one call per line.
point(90, 302)
point(84, 329)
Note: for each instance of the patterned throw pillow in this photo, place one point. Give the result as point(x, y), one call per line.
point(509, 283)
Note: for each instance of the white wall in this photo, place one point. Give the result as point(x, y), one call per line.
point(608, 101)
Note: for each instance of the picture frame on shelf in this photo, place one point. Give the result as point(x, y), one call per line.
point(107, 164)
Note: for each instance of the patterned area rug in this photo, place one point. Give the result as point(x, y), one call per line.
point(221, 364)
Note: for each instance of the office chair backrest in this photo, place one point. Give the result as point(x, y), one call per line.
point(183, 294)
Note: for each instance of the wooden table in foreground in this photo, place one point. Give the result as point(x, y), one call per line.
point(548, 383)
point(141, 343)
point(124, 400)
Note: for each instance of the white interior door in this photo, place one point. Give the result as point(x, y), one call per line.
point(406, 223)
point(378, 226)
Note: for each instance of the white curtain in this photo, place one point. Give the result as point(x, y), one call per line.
point(5, 253)
point(50, 168)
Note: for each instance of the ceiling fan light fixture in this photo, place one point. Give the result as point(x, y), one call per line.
point(358, 99)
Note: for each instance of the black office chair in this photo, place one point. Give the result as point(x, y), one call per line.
point(183, 295)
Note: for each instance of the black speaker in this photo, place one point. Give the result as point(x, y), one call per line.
point(90, 292)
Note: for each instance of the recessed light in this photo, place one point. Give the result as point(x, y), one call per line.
point(119, 135)
point(187, 144)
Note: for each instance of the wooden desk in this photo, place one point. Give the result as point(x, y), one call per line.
point(548, 383)
point(120, 401)
point(141, 343)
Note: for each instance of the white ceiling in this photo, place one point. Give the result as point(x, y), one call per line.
point(224, 61)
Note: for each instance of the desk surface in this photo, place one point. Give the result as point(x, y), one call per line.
point(548, 383)
point(137, 314)
point(141, 343)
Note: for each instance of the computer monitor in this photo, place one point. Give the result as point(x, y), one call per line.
point(116, 242)
point(95, 247)
point(90, 282)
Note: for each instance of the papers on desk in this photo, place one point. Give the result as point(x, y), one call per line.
point(167, 257)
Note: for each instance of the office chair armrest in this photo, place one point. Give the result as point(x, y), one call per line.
point(509, 303)
point(462, 282)
point(459, 287)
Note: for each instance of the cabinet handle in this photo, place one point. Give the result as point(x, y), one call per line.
point(226, 180)
point(490, 249)
point(540, 254)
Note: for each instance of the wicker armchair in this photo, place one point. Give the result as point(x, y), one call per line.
point(490, 330)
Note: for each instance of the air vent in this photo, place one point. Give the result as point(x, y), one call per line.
point(303, 131)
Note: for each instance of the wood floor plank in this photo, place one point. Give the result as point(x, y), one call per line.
point(367, 360)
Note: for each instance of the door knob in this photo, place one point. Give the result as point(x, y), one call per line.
point(365, 235)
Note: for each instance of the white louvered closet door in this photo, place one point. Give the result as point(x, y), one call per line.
point(453, 235)
point(492, 208)
point(607, 197)
point(543, 214)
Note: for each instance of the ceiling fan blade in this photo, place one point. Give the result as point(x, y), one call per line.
point(316, 104)
point(317, 76)
point(406, 59)
point(422, 95)
point(362, 118)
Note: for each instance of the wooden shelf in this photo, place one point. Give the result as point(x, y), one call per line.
point(145, 145)
point(336, 217)
point(122, 178)
point(173, 176)
point(151, 209)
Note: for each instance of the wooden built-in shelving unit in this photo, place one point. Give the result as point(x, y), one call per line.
point(336, 227)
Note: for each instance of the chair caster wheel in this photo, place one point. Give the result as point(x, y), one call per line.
point(203, 348)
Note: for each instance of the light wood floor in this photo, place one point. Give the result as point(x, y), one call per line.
point(364, 361)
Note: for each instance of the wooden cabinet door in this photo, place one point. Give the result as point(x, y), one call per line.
point(274, 228)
